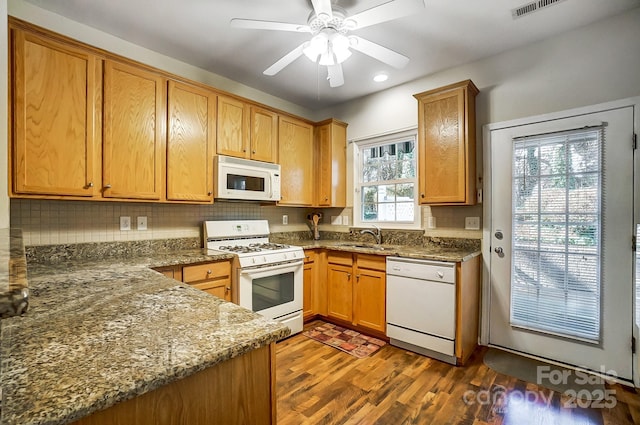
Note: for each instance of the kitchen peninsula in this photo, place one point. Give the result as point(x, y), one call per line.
point(116, 335)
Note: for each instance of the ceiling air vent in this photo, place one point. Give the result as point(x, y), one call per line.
point(531, 7)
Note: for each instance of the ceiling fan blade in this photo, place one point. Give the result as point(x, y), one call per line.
point(322, 7)
point(268, 25)
point(335, 76)
point(378, 52)
point(389, 11)
point(285, 60)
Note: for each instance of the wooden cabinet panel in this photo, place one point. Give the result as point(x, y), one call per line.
point(214, 278)
point(340, 292)
point(370, 295)
point(309, 281)
point(446, 133)
point(56, 117)
point(264, 135)
point(190, 143)
point(206, 271)
point(133, 145)
point(295, 153)
point(233, 127)
point(331, 164)
point(173, 272)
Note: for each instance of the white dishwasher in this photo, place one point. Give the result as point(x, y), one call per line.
point(421, 306)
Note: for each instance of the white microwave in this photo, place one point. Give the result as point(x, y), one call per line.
point(244, 179)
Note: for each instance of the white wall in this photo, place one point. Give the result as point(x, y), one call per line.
point(4, 196)
point(57, 23)
point(589, 65)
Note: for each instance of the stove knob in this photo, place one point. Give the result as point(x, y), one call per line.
point(285, 256)
point(264, 259)
point(254, 261)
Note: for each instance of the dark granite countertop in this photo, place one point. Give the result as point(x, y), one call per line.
point(430, 252)
point(100, 332)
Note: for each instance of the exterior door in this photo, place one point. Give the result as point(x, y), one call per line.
point(561, 262)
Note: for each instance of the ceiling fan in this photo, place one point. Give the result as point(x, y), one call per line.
point(331, 41)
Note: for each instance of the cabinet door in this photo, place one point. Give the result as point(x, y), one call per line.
point(56, 117)
point(233, 131)
point(340, 292)
point(190, 143)
point(295, 153)
point(447, 145)
point(133, 146)
point(264, 135)
point(370, 299)
point(308, 281)
point(331, 164)
point(221, 288)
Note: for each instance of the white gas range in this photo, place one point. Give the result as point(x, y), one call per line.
point(267, 276)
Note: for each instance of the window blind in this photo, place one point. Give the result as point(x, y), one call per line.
point(557, 194)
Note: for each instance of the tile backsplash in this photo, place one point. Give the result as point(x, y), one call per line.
point(45, 222)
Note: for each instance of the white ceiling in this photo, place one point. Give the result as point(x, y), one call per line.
point(443, 34)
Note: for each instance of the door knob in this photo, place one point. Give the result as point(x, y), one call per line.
point(499, 251)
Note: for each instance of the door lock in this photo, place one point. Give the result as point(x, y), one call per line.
point(499, 251)
point(499, 235)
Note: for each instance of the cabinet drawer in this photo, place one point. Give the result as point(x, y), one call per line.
point(373, 262)
point(206, 271)
point(339, 257)
point(309, 256)
point(210, 284)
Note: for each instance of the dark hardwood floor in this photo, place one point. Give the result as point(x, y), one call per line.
point(318, 384)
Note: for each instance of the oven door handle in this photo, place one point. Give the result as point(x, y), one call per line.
point(268, 268)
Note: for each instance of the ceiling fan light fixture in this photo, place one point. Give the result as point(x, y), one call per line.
point(380, 77)
point(318, 45)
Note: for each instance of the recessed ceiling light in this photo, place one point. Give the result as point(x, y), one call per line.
point(378, 78)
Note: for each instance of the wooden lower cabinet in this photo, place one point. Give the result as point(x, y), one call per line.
point(340, 292)
point(214, 278)
point(356, 289)
point(308, 284)
point(238, 391)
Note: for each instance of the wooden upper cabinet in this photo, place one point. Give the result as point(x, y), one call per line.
point(264, 135)
point(233, 127)
point(190, 142)
point(447, 144)
point(295, 153)
point(133, 136)
point(55, 91)
point(331, 164)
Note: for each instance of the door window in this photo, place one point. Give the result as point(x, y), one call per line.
point(556, 193)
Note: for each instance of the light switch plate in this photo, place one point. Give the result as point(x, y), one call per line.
point(125, 223)
point(472, 223)
point(336, 220)
point(345, 220)
point(142, 222)
point(285, 219)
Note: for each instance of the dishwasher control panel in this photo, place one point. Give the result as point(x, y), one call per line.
point(437, 271)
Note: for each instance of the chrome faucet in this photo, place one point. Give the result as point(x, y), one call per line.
point(376, 234)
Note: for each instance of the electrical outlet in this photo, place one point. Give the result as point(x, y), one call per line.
point(345, 220)
point(336, 220)
point(285, 219)
point(472, 223)
point(142, 222)
point(125, 223)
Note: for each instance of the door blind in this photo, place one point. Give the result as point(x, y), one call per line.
point(556, 233)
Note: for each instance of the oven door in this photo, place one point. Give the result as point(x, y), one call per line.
point(274, 291)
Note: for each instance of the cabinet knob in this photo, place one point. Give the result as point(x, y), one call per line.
point(357, 277)
point(422, 195)
point(244, 150)
point(227, 289)
point(90, 184)
point(348, 276)
point(326, 198)
point(107, 186)
point(253, 152)
point(208, 271)
point(209, 193)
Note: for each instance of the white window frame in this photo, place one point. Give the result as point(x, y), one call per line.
point(401, 136)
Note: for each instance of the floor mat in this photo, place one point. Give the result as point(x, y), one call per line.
point(344, 339)
point(566, 381)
